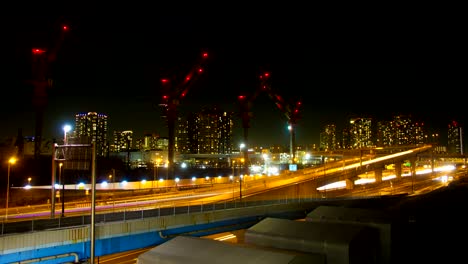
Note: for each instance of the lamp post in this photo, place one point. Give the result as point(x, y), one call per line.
point(156, 171)
point(62, 192)
point(29, 186)
point(111, 182)
point(60, 176)
point(66, 129)
point(233, 168)
point(154, 177)
point(241, 171)
point(112, 178)
point(10, 161)
point(240, 180)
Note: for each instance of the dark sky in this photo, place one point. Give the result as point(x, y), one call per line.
point(337, 67)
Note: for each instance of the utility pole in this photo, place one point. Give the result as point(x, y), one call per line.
point(93, 203)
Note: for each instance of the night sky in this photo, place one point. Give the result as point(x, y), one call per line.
point(338, 68)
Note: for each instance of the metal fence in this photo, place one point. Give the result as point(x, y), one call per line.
point(126, 215)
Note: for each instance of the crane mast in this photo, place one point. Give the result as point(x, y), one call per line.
point(171, 99)
point(245, 112)
point(42, 58)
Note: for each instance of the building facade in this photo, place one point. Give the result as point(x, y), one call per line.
point(90, 128)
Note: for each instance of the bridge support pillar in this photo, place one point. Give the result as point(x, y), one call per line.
point(378, 175)
point(413, 165)
point(398, 169)
point(349, 184)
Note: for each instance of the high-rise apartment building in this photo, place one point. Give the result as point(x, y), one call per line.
point(360, 133)
point(401, 130)
point(187, 134)
point(328, 138)
point(455, 138)
point(90, 128)
point(123, 141)
point(206, 132)
point(151, 141)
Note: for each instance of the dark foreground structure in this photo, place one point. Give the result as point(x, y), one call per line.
point(428, 228)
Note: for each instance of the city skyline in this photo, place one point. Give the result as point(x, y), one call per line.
point(117, 71)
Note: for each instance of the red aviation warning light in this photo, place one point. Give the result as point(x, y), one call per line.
point(263, 78)
point(265, 75)
point(38, 51)
point(183, 93)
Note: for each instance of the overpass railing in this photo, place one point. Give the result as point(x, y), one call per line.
point(25, 226)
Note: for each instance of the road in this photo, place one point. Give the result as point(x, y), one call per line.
point(422, 181)
point(130, 257)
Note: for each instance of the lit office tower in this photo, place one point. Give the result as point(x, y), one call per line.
point(92, 127)
point(455, 138)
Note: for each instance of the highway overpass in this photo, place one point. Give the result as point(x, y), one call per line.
point(70, 238)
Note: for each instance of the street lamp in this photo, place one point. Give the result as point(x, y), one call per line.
point(66, 129)
point(156, 171)
point(243, 150)
point(291, 147)
point(233, 167)
point(62, 192)
point(240, 180)
point(10, 161)
point(111, 181)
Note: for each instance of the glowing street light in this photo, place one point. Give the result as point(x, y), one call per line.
point(66, 129)
point(156, 171)
point(241, 146)
point(10, 162)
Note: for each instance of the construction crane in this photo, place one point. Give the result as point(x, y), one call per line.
point(291, 110)
point(42, 59)
point(171, 97)
point(245, 102)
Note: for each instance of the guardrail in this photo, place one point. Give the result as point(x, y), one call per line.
point(126, 215)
